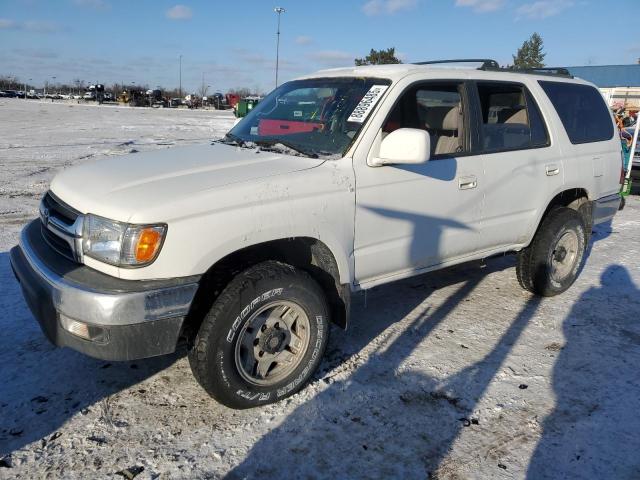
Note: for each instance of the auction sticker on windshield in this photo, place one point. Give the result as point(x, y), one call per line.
point(367, 103)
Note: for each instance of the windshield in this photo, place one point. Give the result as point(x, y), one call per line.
point(317, 117)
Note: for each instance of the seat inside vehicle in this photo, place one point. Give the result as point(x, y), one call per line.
point(443, 125)
point(437, 111)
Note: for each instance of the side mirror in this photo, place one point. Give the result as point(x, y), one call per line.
point(409, 146)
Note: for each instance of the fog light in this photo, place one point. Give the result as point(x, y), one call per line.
point(84, 330)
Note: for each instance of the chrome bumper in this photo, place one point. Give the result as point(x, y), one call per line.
point(135, 319)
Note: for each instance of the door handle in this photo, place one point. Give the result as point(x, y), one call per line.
point(552, 170)
point(467, 183)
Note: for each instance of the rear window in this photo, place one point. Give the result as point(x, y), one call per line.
point(583, 112)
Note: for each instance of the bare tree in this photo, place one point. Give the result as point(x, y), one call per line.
point(202, 91)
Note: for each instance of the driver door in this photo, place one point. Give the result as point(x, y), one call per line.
point(413, 217)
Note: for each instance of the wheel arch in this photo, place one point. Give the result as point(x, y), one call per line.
point(575, 198)
point(307, 253)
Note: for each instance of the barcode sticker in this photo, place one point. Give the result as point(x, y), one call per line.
point(367, 103)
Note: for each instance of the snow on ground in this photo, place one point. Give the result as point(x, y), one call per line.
point(451, 375)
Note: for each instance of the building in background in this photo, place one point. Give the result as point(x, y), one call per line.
point(620, 84)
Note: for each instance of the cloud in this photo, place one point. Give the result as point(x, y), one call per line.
point(378, 7)
point(332, 58)
point(543, 9)
point(179, 12)
point(303, 40)
point(34, 26)
point(95, 4)
point(6, 24)
point(482, 6)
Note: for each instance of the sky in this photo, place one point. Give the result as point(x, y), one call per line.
point(232, 44)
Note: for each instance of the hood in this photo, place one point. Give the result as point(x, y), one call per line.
point(116, 187)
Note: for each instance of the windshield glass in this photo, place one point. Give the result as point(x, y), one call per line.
point(316, 117)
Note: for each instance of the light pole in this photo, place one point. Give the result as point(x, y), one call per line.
point(25, 89)
point(279, 11)
point(180, 88)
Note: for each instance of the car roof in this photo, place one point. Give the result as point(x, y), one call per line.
point(395, 72)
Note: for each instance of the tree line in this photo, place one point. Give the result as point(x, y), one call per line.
point(78, 87)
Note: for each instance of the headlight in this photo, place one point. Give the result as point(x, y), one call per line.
point(121, 244)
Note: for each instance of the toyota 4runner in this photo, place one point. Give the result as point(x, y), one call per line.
point(248, 247)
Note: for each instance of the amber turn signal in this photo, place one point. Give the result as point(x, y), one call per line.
point(148, 243)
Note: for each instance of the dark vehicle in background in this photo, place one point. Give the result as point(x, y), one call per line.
point(156, 99)
point(219, 101)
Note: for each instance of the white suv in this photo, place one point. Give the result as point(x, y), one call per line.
point(248, 247)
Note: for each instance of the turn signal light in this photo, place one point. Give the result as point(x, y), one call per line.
point(148, 243)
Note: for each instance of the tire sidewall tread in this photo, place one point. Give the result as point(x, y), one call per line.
point(532, 266)
point(212, 357)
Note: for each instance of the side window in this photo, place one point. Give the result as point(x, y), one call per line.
point(436, 109)
point(582, 110)
point(511, 119)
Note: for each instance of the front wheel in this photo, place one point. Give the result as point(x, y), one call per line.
point(263, 337)
point(550, 265)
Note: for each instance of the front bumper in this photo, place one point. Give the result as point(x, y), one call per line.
point(135, 319)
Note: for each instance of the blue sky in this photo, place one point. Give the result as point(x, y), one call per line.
point(233, 42)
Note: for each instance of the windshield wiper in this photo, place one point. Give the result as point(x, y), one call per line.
point(272, 143)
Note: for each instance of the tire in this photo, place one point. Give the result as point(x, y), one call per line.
point(551, 264)
point(263, 338)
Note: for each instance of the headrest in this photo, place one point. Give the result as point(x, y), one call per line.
point(442, 118)
point(513, 115)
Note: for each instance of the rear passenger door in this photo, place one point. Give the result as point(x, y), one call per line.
point(522, 168)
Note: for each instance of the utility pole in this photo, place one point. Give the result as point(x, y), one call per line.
point(279, 11)
point(25, 89)
point(180, 89)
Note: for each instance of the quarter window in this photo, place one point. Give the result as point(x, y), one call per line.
point(510, 118)
point(582, 110)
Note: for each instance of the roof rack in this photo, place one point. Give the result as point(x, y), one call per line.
point(486, 62)
point(493, 66)
point(557, 71)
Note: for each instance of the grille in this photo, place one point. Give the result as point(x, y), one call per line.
point(59, 210)
point(58, 244)
point(60, 226)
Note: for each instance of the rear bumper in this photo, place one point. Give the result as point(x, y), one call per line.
point(605, 208)
point(128, 319)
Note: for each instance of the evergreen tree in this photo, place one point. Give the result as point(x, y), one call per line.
point(531, 54)
point(379, 57)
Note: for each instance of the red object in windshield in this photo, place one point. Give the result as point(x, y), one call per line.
point(268, 127)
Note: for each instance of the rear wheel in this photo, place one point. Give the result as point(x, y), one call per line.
point(551, 263)
point(263, 337)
